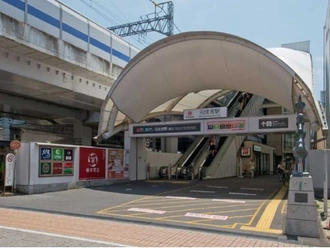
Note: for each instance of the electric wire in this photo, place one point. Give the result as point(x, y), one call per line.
point(141, 39)
point(109, 19)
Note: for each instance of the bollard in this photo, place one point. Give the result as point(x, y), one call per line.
point(200, 173)
point(148, 171)
point(177, 173)
point(169, 172)
point(192, 172)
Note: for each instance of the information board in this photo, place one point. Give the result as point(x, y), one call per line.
point(55, 161)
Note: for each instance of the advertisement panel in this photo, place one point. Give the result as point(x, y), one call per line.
point(226, 126)
point(92, 163)
point(190, 114)
point(55, 161)
point(166, 129)
point(117, 168)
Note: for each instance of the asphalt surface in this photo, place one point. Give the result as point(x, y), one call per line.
point(225, 205)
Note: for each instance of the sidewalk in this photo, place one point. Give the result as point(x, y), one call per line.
point(124, 233)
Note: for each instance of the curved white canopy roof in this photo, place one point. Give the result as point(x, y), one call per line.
point(186, 70)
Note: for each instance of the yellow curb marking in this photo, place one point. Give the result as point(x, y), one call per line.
point(268, 215)
point(283, 211)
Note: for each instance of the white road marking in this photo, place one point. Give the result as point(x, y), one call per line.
point(145, 210)
point(202, 191)
point(206, 216)
point(62, 236)
point(180, 197)
point(217, 187)
point(227, 200)
point(252, 189)
point(235, 193)
point(128, 189)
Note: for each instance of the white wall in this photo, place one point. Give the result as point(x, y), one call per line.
point(23, 164)
point(315, 166)
point(132, 159)
point(141, 159)
point(158, 159)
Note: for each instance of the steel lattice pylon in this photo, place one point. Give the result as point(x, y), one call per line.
point(152, 22)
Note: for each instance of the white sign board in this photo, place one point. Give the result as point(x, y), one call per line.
point(190, 114)
point(225, 126)
point(10, 164)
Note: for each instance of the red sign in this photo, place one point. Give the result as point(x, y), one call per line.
point(57, 168)
point(92, 163)
point(15, 145)
point(245, 151)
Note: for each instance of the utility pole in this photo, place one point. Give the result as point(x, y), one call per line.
point(161, 22)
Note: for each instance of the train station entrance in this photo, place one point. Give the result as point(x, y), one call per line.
point(233, 151)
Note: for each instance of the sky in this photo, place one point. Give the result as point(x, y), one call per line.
point(268, 23)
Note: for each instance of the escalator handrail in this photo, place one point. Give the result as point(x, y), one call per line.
point(231, 106)
point(189, 151)
point(194, 154)
point(227, 143)
point(184, 158)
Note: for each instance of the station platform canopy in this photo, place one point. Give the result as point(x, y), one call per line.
point(190, 70)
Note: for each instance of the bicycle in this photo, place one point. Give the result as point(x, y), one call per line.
point(286, 178)
point(280, 175)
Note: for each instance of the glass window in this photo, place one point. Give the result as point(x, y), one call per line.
point(289, 142)
point(286, 111)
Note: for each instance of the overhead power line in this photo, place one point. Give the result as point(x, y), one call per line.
point(156, 21)
point(109, 16)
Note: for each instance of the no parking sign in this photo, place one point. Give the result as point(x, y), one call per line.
point(10, 167)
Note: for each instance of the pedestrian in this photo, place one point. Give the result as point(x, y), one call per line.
point(252, 167)
point(281, 168)
point(212, 147)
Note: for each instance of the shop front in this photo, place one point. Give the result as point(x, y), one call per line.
point(260, 154)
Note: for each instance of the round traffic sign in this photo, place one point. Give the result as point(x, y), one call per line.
point(15, 145)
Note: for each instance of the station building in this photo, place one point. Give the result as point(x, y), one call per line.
point(74, 82)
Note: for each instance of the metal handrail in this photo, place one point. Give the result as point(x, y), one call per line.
point(252, 106)
point(232, 112)
point(183, 159)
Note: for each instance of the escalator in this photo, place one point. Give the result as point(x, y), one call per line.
point(223, 139)
point(201, 147)
point(224, 163)
point(195, 152)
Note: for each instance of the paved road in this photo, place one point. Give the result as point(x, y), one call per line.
point(234, 206)
point(228, 205)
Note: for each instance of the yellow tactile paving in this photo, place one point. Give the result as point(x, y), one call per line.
point(268, 215)
point(283, 210)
